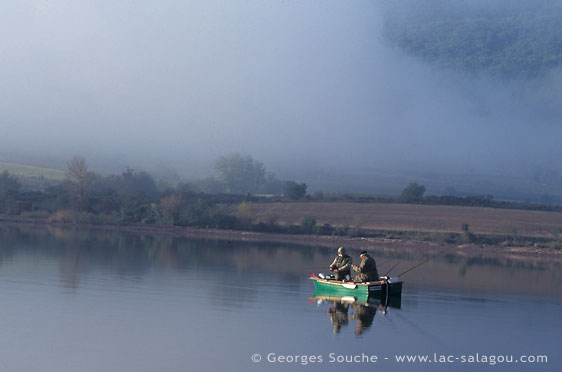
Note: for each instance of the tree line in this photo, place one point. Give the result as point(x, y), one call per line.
point(136, 197)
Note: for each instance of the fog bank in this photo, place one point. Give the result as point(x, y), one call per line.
point(300, 85)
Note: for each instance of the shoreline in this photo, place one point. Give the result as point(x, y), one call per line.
point(525, 253)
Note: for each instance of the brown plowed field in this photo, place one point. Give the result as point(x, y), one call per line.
point(411, 217)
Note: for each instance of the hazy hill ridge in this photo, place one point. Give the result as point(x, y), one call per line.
point(509, 39)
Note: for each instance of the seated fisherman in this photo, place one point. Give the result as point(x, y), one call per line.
point(342, 265)
point(367, 269)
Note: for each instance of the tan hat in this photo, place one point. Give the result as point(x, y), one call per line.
point(341, 249)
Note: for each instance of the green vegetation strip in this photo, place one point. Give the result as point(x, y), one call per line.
point(32, 171)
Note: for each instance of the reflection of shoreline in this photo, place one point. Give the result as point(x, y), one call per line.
point(137, 252)
point(524, 254)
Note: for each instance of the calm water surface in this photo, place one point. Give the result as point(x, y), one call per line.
point(90, 300)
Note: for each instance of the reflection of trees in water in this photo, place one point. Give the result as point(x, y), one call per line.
point(69, 267)
point(463, 267)
point(7, 248)
point(134, 254)
point(473, 260)
point(81, 250)
point(483, 260)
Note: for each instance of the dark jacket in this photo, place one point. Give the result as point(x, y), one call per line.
point(368, 268)
point(341, 263)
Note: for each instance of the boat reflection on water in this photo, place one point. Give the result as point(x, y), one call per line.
point(361, 309)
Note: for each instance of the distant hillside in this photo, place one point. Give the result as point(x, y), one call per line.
point(509, 39)
point(23, 170)
point(33, 177)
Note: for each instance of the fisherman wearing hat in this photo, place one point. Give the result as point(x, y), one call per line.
point(342, 265)
point(367, 269)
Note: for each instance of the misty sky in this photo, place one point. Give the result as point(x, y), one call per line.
point(307, 83)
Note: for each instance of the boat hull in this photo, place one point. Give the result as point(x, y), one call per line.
point(380, 288)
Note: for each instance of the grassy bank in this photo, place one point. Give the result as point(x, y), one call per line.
point(416, 218)
point(411, 222)
point(535, 231)
point(23, 170)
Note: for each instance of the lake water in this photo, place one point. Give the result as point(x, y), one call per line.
point(95, 300)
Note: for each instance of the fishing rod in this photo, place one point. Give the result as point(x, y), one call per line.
point(421, 263)
point(392, 268)
point(385, 261)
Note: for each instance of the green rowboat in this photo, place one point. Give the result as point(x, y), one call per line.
point(384, 287)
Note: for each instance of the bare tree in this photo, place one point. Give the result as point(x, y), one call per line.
point(171, 207)
point(77, 178)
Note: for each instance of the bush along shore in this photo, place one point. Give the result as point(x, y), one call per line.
point(135, 198)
